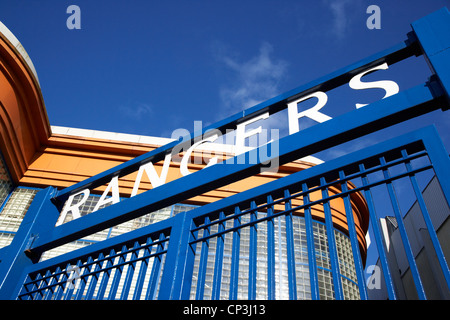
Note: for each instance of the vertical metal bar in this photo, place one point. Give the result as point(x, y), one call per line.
point(270, 252)
point(82, 284)
point(50, 292)
point(218, 264)
point(403, 234)
point(433, 36)
point(377, 235)
point(353, 239)
point(312, 263)
point(41, 215)
point(156, 268)
point(331, 243)
point(130, 272)
point(428, 222)
point(71, 286)
point(290, 249)
point(94, 277)
point(142, 270)
point(24, 291)
point(105, 276)
point(36, 286)
point(60, 288)
point(203, 262)
point(440, 159)
point(234, 274)
point(117, 273)
point(252, 255)
point(176, 279)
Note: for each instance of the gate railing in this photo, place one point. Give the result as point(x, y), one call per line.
point(168, 259)
point(177, 240)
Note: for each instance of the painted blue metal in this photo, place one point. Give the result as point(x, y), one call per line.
point(106, 275)
point(397, 108)
point(166, 251)
point(381, 246)
point(427, 219)
point(353, 239)
point(172, 286)
point(331, 242)
point(235, 255)
point(252, 253)
point(432, 31)
point(270, 250)
point(15, 257)
point(310, 244)
point(441, 165)
point(403, 234)
point(203, 262)
point(392, 55)
point(178, 273)
point(290, 249)
point(218, 264)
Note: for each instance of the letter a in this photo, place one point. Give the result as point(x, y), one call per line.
point(374, 281)
point(113, 186)
point(73, 21)
point(374, 21)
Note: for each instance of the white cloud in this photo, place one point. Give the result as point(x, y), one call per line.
point(342, 12)
point(135, 110)
point(254, 80)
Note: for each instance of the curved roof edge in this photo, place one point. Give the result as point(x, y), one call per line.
point(19, 47)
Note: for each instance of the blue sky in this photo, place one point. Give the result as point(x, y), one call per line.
point(150, 67)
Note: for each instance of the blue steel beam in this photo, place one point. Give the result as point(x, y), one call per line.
point(404, 236)
point(359, 269)
point(405, 141)
point(397, 108)
point(433, 31)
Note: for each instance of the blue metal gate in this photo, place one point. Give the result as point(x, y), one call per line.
point(169, 259)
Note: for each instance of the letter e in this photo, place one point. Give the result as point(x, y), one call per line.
point(312, 113)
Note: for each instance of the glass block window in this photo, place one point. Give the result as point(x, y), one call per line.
point(13, 212)
point(302, 272)
point(6, 185)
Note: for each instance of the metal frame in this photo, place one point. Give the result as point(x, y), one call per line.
point(37, 233)
point(48, 279)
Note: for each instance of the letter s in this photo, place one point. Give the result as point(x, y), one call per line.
point(390, 87)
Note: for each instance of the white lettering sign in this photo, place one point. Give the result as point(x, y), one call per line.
point(390, 87)
point(241, 134)
point(73, 208)
point(149, 169)
point(312, 113)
